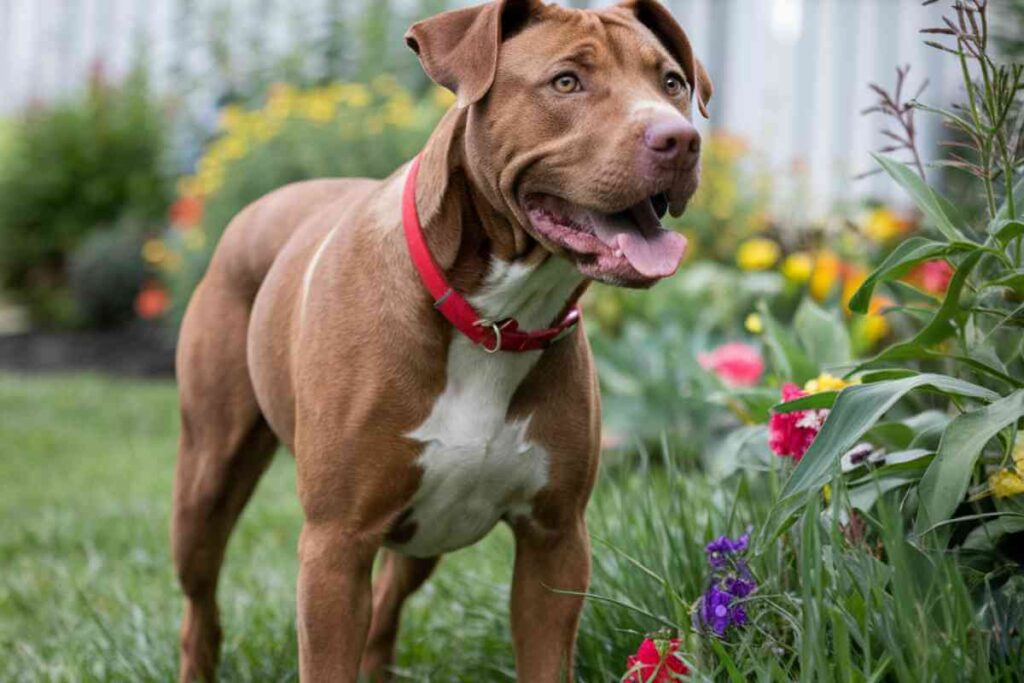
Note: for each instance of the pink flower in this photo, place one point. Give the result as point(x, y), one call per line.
point(932, 276)
point(791, 434)
point(649, 665)
point(737, 364)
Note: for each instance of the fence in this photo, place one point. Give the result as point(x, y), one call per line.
point(791, 75)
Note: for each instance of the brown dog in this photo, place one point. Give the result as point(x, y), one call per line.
point(312, 328)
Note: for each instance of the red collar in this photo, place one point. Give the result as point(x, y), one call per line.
point(493, 335)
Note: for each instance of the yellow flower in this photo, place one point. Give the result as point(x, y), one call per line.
point(195, 239)
point(1018, 453)
point(826, 493)
point(798, 267)
point(442, 97)
point(824, 275)
point(853, 278)
point(875, 327)
point(172, 264)
point(318, 107)
point(754, 324)
point(825, 382)
point(1006, 483)
point(154, 251)
point(883, 225)
point(757, 253)
point(231, 117)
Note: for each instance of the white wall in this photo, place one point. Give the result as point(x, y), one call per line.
point(791, 75)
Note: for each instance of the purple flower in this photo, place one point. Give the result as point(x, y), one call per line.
point(722, 548)
point(731, 581)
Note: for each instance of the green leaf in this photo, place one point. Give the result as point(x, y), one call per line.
point(938, 328)
point(788, 359)
point(822, 334)
point(985, 536)
point(945, 483)
point(1018, 203)
point(904, 257)
point(856, 409)
point(822, 399)
point(936, 207)
point(1005, 230)
point(1013, 280)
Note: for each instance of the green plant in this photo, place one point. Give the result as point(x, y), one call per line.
point(105, 274)
point(966, 351)
point(337, 130)
point(73, 168)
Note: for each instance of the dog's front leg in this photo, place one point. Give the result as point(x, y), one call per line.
point(544, 621)
point(334, 602)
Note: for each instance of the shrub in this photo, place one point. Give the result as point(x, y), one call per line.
point(956, 471)
point(105, 274)
point(73, 168)
point(342, 129)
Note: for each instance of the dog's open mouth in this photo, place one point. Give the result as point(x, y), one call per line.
point(629, 247)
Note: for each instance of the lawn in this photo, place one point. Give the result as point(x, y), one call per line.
point(87, 592)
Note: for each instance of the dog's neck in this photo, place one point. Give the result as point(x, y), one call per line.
point(482, 248)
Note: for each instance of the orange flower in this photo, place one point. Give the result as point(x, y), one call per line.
point(152, 301)
point(826, 271)
point(187, 212)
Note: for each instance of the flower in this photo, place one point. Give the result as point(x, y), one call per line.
point(1018, 453)
point(731, 581)
point(824, 275)
point(825, 382)
point(154, 251)
point(758, 253)
point(187, 211)
point(656, 661)
point(1006, 483)
point(791, 434)
point(882, 225)
point(754, 324)
point(737, 364)
point(722, 548)
point(798, 267)
point(152, 301)
point(932, 276)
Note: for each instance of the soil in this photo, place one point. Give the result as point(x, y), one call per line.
point(140, 350)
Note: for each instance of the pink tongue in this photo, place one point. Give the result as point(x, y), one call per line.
point(656, 255)
point(651, 250)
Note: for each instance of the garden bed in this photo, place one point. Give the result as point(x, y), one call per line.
point(137, 350)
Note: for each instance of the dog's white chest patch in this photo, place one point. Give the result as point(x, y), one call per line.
point(479, 466)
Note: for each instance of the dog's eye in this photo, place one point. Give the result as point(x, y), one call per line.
point(674, 84)
point(566, 83)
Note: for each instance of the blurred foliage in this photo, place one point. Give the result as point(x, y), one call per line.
point(105, 274)
point(73, 168)
point(337, 130)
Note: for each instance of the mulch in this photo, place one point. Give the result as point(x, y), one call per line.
point(138, 350)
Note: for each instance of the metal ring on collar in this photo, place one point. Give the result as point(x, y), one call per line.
point(497, 335)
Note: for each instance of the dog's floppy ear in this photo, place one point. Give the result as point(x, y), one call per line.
point(654, 16)
point(459, 49)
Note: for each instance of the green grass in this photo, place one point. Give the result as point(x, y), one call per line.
point(87, 592)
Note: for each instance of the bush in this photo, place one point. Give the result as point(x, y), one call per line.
point(74, 168)
point(105, 274)
point(342, 129)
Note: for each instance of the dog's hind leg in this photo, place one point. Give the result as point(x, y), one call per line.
point(225, 446)
point(398, 578)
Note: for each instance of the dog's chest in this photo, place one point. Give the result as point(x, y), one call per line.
point(478, 465)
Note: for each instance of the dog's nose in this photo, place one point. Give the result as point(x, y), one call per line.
point(672, 138)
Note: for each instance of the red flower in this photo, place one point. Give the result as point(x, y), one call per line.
point(649, 665)
point(791, 434)
point(932, 276)
point(187, 212)
point(152, 301)
point(737, 364)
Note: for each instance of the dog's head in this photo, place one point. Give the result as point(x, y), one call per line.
point(578, 124)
